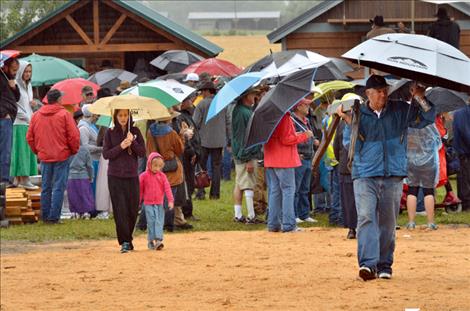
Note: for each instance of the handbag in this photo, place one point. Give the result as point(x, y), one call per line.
point(201, 178)
point(170, 165)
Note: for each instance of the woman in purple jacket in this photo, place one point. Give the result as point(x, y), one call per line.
point(123, 144)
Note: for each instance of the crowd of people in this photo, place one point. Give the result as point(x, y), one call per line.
point(148, 166)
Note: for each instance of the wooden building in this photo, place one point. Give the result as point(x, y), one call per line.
point(91, 33)
point(332, 27)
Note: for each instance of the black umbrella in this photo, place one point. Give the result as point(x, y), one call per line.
point(274, 105)
point(111, 78)
point(173, 76)
point(176, 60)
point(446, 100)
point(341, 64)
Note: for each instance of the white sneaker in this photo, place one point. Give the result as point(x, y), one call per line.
point(385, 275)
point(103, 215)
point(310, 219)
point(298, 220)
point(295, 230)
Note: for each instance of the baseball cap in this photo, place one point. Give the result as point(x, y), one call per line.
point(376, 82)
point(191, 77)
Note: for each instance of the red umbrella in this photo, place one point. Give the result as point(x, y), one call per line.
point(214, 67)
point(72, 89)
point(6, 54)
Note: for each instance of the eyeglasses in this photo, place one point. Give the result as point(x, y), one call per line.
point(89, 94)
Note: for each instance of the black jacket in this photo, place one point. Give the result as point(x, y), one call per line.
point(447, 31)
point(194, 145)
point(8, 99)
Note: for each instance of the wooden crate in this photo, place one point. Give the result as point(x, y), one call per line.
point(17, 202)
point(15, 220)
point(13, 211)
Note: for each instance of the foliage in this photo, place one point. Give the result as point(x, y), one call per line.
point(19, 14)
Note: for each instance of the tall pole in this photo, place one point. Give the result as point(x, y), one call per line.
point(412, 16)
point(235, 13)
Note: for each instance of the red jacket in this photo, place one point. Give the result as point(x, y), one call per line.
point(281, 149)
point(153, 186)
point(53, 134)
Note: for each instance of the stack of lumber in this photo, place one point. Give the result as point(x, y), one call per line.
point(22, 206)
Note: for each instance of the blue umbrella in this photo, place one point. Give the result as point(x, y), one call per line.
point(231, 91)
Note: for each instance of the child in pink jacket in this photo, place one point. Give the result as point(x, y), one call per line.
point(153, 187)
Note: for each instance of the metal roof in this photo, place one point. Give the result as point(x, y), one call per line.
point(232, 15)
point(143, 11)
point(278, 34)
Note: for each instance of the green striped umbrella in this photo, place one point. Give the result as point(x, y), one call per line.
point(48, 70)
point(168, 92)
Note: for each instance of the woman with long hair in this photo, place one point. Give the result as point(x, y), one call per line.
point(123, 144)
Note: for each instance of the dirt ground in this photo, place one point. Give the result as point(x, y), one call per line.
point(311, 270)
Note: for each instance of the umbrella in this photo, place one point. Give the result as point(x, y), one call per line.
point(342, 65)
point(72, 89)
point(446, 100)
point(168, 92)
point(175, 60)
point(331, 86)
point(231, 91)
point(111, 78)
point(6, 54)
point(173, 76)
point(272, 107)
point(48, 70)
point(142, 108)
point(415, 57)
point(214, 67)
point(283, 63)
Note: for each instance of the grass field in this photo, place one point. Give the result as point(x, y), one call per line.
point(215, 216)
point(243, 50)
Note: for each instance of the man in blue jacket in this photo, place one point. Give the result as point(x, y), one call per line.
point(379, 167)
point(461, 143)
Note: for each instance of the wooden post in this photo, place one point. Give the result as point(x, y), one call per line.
point(96, 22)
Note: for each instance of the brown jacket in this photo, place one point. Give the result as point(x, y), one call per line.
point(170, 145)
point(377, 31)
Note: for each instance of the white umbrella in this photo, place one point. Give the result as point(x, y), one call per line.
point(415, 57)
point(168, 92)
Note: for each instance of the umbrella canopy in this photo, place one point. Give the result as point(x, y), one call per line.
point(331, 86)
point(415, 57)
point(175, 60)
point(168, 92)
point(72, 89)
point(6, 54)
point(48, 70)
point(173, 76)
point(142, 108)
point(283, 63)
point(342, 65)
point(446, 100)
point(276, 103)
point(214, 67)
point(231, 91)
point(111, 78)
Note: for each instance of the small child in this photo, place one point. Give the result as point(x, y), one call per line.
point(153, 187)
point(79, 191)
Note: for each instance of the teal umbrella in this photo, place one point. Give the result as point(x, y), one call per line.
point(48, 70)
point(168, 92)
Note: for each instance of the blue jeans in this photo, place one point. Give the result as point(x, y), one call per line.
point(303, 175)
point(336, 214)
point(281, 190)
point(155, 215)
point(321, 202)
point(377, 204)
point(226, 164)
point(6, 137)
point(54, 182)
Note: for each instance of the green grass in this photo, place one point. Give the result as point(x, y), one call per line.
point(215, 216)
